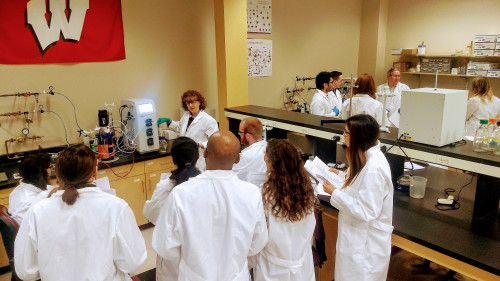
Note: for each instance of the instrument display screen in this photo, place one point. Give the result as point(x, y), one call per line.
point(146, 108)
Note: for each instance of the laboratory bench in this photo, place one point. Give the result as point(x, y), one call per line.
point(466, 240)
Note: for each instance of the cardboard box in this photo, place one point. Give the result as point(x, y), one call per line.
point(485, 38)
point(402, 66)
point(483, 46)
point(494, 73)
point(475, 72)
point(483, 53)
point(482, 65)
point(409, 51)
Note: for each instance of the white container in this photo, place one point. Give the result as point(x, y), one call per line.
point(475, 72)
point(396, 51)
point(493, 73)
point(483, 53)
point(483, 46)
point(417, 187)
point(482, 65)
point(430, 116)
point(485, 38)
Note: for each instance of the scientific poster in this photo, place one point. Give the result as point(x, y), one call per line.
point(259, 16)
point(260, 53)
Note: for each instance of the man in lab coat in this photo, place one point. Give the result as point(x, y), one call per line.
point(252, 167)
point(321, 104)
point(395, 88)
point(210, 223)
point(335, 96)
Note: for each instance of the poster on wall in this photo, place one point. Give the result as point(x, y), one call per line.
point(259, 16)
point(60, 31)
point(260, 53)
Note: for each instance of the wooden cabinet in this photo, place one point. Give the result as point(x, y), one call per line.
point(330, 224)
point(4, 200)
point(136, 182)
point(133, 190)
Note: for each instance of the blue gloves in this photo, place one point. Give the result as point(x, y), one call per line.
point(336, 110)
point(163, 120)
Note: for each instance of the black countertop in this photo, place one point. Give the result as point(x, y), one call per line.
point(463, 152)
point(10, 166)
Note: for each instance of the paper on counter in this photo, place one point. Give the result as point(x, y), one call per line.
point(415, 166)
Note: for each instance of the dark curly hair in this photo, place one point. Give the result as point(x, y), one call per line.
point(288, 192)
point(33, 169)
point(193, 93)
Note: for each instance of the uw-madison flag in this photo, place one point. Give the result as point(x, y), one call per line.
point(60, 31)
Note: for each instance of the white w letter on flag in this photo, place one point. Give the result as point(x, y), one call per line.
point(48, 31)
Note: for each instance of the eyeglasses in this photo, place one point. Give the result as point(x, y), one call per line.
point(346, 133)
point(241, 133)
point(191, 101)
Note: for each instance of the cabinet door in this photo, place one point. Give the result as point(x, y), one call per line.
point(133, 191)
point(164, 163)
point(126, 171)
point(4, 200)
point(152, 180)
point(330, 224)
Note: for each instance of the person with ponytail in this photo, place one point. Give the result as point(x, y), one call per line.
point(365, 205)
point(289, 204)
point(35, 171)
point(184, 155)
point(80, 232)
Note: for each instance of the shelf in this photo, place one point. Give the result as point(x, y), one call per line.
point(442, 74)
point(450, 56)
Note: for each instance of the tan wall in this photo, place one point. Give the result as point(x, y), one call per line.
point(443, 25)
point(170, 47)
point(308, 37)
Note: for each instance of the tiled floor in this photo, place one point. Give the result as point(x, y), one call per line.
point(404, 266)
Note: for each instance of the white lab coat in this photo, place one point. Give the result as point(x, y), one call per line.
point(393, 103)
point(97, 238)
point(252, 162)
point(202, 127)
point(23, 197)
point(336, 101)
point(153, 207)
point(365, 222)
point(364, 104)
point(208, 227)
point(321, 105)
point(477, 110)
point(288, 254)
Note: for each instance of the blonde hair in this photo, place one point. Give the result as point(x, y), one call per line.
point(481, 88)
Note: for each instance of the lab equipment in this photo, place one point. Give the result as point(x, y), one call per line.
point(433, 116)
point(386, 93)
point(488, 144)
point(103, 118)
point(139, 126)
point(496, 140)
point(163, 145)
point(417, 187)
point(480, 137)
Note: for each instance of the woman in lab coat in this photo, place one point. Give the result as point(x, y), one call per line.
point(289, 203)
point(184, 155)
point(35, 171)
point(80, 232)
point(365, 205)
point(195, 123)
point(482, 104)
point(364, 100)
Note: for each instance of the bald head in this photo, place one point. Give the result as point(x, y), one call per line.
point(223, 150)
point(250, 130)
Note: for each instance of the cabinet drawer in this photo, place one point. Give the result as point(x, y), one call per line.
point(137, 169)
point(4, 196)
point(164, 163)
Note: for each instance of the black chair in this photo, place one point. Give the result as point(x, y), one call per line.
point(9, 228)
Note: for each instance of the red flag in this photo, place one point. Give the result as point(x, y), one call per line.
point(57, 31)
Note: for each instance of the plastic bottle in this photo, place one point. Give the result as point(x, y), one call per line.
point(489, 143)
point(479, 139)
point(496, 140)
point(163, 145)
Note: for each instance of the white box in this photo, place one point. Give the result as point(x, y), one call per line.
point(141, 128)
point(496, 53)
point(498, 38)
point(433, 116)
point(494, 73)
point(497, 46)
point(483, 53)
point(396, 51)
point(482, 65)
point(476, 72)
point(483, 46)
point(485, 38)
